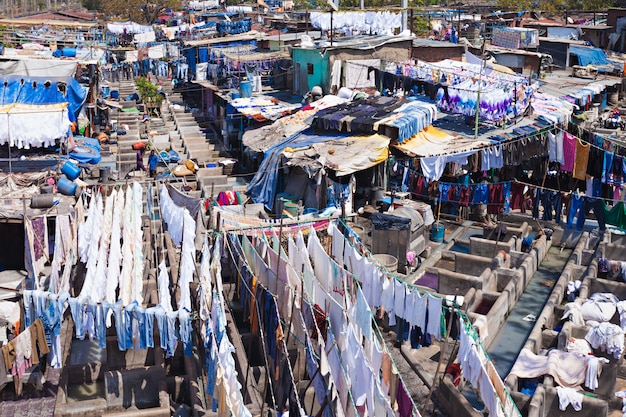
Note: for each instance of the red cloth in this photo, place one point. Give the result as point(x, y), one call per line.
point(496, 198)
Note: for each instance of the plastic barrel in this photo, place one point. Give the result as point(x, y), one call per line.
point(437, 231)
point(70, 170)
point(66, 186)
point(69, 52)
point(42, 201)
point(105, 173)
point(246, 89)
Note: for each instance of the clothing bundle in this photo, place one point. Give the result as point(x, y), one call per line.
point(23, 351)
point(612, 269)
point(396, 118)
point(608, 337)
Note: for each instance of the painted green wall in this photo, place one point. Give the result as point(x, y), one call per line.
point(321, 70)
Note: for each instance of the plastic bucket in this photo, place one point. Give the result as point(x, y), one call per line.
point(66, 186)
point(437, 231)
point(235, 95)
point(246, 89)
point(70, 170)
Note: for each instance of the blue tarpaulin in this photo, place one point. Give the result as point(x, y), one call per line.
point(86, 151)
point(262, 188)
point(591, 56)
point(43, 90)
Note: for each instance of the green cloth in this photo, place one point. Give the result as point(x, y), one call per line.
point(616, 216)
point(130, 110)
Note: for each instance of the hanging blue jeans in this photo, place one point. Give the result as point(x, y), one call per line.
point(185, 330)
point(28, 307)
point(575, 205)
point(145, 318)
point(161, 317)
point(77, 307)
point(119, 322)
point(99, 324)
point(129, 313)
point(598, 209)
point(171, 333)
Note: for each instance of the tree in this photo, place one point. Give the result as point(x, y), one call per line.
point(141, 11)
point(92, 4)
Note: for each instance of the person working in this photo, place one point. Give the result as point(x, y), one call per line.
point(153, 161)
point(140, 165)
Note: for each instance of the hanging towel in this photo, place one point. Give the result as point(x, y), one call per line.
point(581, 159)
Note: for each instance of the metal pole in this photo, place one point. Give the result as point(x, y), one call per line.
point(331, 27)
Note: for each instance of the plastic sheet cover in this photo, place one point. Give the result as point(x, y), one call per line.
point(43, 90)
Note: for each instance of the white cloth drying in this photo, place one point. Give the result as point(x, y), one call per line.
point(569, 396)
point(594, 369)
point(607, 336)
point(598, 309)
point(574, 313)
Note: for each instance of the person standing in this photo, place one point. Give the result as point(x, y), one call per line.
point(153, 161)
point(140, 165)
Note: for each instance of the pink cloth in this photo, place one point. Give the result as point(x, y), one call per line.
point(569, 152)
point(410, 257)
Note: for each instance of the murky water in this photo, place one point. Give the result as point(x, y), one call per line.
point(460, 247)
point(513, 334)
point(84, 392)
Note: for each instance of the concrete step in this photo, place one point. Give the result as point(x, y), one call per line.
point(191, 147)
point(216, 179)
point(209, 172)
point(202, 156)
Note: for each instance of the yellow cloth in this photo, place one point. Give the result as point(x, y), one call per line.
point(581, 161)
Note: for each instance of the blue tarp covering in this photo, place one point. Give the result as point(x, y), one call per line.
point(590, 56)
point(86, 151)
point(262, 188)
point(33, 90)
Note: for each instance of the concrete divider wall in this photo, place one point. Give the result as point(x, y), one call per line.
point(545, 403)
point(612, 251)
point(451, 283)
point(535, 340)
point(456, 404)
point(468, 264)
point(488, 248)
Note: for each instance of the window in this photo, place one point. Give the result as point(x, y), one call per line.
point(309, 69)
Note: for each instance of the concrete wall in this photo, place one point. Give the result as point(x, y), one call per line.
point(545, 319)
point(451, 283)
point(614, 252)
point(455, 403)
point(489, 248)
point(545, 403)
point(436, 54)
